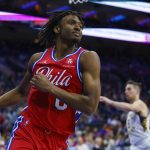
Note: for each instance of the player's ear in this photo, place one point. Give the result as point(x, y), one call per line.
point(56, 29)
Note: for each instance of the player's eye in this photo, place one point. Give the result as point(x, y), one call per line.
point(72, 22)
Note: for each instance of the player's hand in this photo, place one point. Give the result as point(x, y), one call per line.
point(41, 82)
point(104, 99)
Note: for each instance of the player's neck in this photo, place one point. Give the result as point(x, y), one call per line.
point(63, 49)
point(137, 98)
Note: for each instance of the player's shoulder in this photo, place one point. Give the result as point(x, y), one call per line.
point(139, 102)
point(37, 55)
point(89, 55)
point(89, 52)
point(34, 58)
point(144, 110)
point(140, 105)
point(90, 60)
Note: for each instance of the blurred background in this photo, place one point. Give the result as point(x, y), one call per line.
point(119, 31)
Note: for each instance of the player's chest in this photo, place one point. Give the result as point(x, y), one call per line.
point(60, 74)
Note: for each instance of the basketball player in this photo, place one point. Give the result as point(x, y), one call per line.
point(59, 83)
point(137, 118)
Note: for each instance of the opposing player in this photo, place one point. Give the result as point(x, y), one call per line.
point(138, 117)
point(59, 83)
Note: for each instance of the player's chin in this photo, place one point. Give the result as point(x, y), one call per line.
point(128, 98)
point(76, 39)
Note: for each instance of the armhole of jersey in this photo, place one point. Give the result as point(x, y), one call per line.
point(78, 67)
point(77, 115)
point(39, 59)
point(25, 108)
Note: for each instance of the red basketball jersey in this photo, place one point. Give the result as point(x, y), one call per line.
point(46, 110)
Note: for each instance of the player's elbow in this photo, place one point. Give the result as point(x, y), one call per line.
point(20, 91)
point(89, 105)
point(91, 109)
point(89, 112)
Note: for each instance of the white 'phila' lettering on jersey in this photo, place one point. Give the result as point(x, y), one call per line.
point(60, 78)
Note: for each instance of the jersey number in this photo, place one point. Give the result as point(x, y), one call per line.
point(58, 106)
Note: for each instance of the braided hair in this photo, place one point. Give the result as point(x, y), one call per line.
point(47, 36)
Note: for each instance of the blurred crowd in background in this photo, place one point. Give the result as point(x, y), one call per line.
point(104, 130)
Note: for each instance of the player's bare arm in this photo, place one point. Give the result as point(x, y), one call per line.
point(88, 102)
point(20, 92)
point(137, 106)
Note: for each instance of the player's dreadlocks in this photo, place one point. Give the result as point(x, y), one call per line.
point(46, 35)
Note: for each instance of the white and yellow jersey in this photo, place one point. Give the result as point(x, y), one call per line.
point(138, 128)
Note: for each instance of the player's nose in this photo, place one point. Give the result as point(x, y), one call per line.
point(77, 27)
